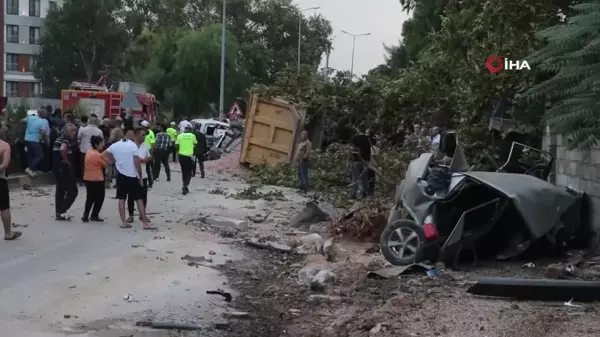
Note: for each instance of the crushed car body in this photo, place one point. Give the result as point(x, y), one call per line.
point(444, 211)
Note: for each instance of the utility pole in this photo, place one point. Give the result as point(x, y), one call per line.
point(354, 36)
point(222, 86)
point(300, 32)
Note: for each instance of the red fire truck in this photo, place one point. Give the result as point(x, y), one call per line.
point(105, 103)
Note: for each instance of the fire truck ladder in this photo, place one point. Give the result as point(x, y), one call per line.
point(115, 105)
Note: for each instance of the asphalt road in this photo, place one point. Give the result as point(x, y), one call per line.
point(69, 278)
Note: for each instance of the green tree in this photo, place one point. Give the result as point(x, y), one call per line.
point(183, 70)
point(197, 69)
point(80, 39)
point(572, 57)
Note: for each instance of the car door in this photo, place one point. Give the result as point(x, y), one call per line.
point(220, 131)
point(209, 131)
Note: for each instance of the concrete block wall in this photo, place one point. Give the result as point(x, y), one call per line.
point(577, 169)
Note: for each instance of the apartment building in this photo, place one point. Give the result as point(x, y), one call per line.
point(23, 21)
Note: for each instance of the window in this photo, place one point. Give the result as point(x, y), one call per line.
point(35, 89)
point(32, 62)
point(53, 6)
point(12, 62)
point(12, 34)
point(12, 7)
point(34, 8)
point(12, 89)
point(34, 35)
point(210, 129)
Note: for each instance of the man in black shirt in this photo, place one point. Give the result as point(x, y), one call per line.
point(361, 155)
point(200, 151)
point(66, 182)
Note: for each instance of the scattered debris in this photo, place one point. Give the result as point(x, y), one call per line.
point(433, 273)
point(313, 213)
point(390, 272)
point(227, 296)
point(254, 193)
point(329, 249)
point(555, 271)
point(536, 289)
point(218, 191)
point(312, 243)
point(259, 218)
point(195, 261)
point(237, 314)
point(223, 326)
point(168, 326)
point(316, 278)
point(363, 221)
point(320, 228)
point(570, 304)
point(274, 246)
point(324, 299)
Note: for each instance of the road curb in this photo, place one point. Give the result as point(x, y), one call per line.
point(24, 181)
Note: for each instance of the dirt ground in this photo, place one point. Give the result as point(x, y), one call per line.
point(355, 305)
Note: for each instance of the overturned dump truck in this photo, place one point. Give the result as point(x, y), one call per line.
point(271, 131)
point(448, 213)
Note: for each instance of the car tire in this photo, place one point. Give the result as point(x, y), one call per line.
point(414, 242)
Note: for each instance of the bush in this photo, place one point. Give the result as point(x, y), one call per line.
point(329, 173)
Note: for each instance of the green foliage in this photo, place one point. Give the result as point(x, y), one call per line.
point(80, 41)
point(177, 53)
point(572, 56)
point(183, 67)
point(329, 173)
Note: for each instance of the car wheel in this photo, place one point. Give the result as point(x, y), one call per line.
point(402, 242)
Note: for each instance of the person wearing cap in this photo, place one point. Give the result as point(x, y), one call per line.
point(150, 140)
point(172, 132)
point(186, 144)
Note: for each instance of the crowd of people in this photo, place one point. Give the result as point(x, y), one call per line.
point(97, 153)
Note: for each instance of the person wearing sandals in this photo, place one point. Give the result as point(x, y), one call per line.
point(66, 181)
point(144, 155)
point(93, 177)
point(9, 234)
point(129, 174)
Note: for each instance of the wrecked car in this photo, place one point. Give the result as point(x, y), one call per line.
point(446, 212)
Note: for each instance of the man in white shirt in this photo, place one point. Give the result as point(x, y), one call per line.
point(130, 182)
point(84, 137)
point(184, 124)
point(144, 154)
point(435, 138)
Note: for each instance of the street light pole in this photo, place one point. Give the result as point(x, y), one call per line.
point(299, 39)
point(352, 63)
point(300, 32)
point(354, 36)
point(222, 87)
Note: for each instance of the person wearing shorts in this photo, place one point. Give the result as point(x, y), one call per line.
point(9, 234)
point(129, 176)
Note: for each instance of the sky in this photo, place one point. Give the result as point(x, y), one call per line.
point(382, 18)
